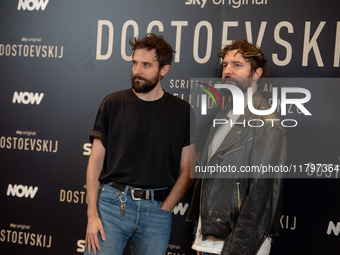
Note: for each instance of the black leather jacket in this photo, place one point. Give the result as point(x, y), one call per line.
point(242, 211)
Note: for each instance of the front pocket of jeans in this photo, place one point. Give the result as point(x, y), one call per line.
point(158, 206)
point(108, 194)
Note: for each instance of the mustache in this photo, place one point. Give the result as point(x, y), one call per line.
point(134, 77)
point(229, 80)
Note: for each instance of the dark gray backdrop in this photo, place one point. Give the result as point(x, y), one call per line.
point(53, 80)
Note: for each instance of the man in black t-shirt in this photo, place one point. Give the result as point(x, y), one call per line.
point(140, 159)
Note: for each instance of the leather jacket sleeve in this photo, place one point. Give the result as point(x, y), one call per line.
point(269, 147)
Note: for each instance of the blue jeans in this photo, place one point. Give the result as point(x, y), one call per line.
point(144, 222)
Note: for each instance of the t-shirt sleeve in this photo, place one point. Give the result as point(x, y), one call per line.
point(101, 125)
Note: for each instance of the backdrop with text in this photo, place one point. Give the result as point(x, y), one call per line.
point(59, 59)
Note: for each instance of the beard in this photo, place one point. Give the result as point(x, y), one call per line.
point(143, 85)
point(241, 83)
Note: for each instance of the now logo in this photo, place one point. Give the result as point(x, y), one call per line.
point(21, 191)
point(27, 98)
point(32, 5)
point(332, 228)
point(180, 208)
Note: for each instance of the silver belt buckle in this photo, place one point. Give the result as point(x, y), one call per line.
point(133, 194)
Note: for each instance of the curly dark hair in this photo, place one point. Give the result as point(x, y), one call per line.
point(151, 41)
point(249, 51)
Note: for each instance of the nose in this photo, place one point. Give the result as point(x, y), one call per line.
point(226, 71)
point(136, 69)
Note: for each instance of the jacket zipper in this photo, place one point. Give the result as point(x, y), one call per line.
point(238, 196)
point(222, 149)
point(238, 148)
point(200, 212)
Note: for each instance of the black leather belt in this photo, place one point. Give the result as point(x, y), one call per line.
point(138, 193)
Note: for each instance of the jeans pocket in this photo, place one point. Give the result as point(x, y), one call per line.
point(108, 194)
point(158, 205)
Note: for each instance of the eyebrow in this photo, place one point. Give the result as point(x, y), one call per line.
point(143, 62)
point(232, 61)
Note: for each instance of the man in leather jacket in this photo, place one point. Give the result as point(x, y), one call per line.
point(240, 213)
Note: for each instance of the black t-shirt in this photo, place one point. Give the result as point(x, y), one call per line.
point(143, 139)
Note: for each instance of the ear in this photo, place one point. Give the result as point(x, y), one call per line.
point(257, 74)
point(165, 69)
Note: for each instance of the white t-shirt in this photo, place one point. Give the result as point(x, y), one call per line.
point(213, 245)
point(210, 245)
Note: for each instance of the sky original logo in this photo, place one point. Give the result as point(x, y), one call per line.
point(196, 2)
point(32, 5)
point(21, 191)
point(27, 98)
point(233, 3)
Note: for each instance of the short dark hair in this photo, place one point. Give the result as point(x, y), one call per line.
point(250, 52)
point(151, 41)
